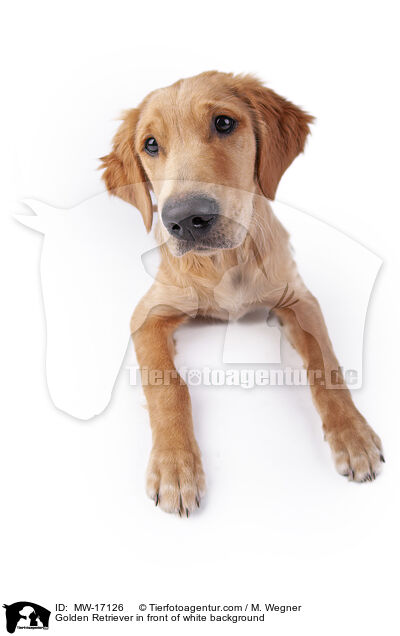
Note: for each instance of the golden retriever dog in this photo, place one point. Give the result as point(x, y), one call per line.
point(212, 149)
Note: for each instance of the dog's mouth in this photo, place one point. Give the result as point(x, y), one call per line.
point(206, 249)
point(180, 247)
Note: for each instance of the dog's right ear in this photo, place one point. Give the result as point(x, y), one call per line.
point(123, 174)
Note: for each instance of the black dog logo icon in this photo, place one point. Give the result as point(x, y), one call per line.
point(26, 615)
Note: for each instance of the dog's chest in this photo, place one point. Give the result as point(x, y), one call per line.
point(235, 293)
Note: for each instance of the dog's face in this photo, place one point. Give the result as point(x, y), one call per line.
point(205, 146)
point(196, 144)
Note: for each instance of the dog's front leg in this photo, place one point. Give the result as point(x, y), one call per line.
point(175, 478)
point(356, 448)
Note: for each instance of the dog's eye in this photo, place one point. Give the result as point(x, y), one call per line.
point(224, 124)
point(151, 146)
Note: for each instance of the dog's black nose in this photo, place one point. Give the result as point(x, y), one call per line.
point(190, 217)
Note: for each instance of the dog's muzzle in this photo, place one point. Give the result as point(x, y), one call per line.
point(190, 218)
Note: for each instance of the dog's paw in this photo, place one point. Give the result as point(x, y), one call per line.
point(175, 480)
point(357, 450)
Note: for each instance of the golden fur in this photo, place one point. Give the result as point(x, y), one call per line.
point(252, 265)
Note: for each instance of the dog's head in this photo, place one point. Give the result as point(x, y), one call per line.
point(205, 146)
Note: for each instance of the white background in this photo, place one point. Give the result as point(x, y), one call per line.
point(278, 524)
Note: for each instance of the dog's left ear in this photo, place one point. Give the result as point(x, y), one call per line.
point(281, 129)
point(123, 173)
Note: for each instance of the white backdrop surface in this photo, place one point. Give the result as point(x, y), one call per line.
point(278, 524)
